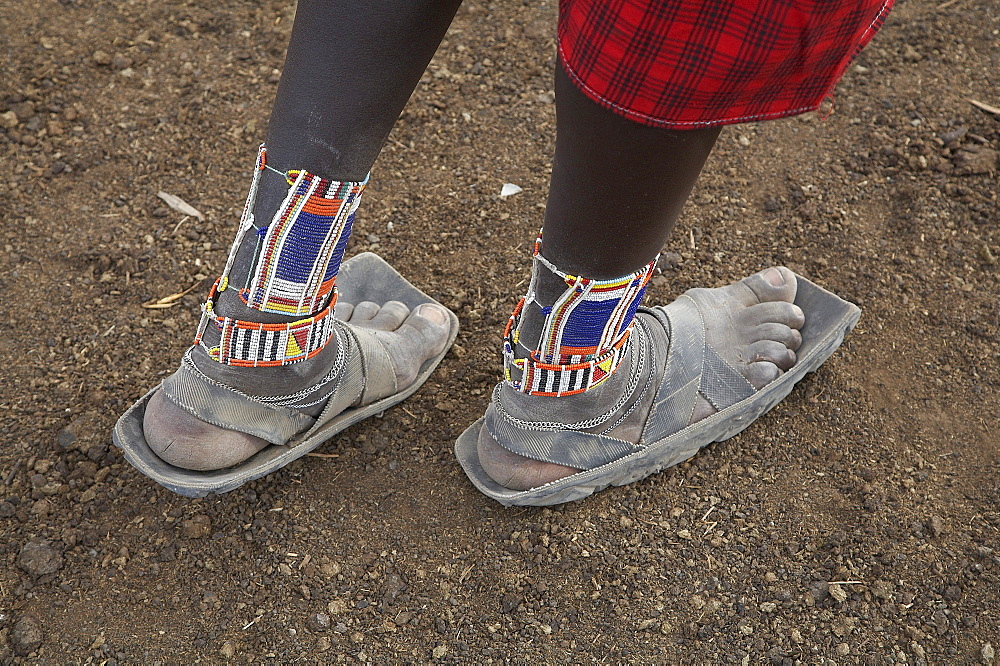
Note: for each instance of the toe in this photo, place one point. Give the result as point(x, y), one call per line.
point(773, 284)
point(363, 312)
point(342, 311)
point(427, 327)
point(772, 351)
point(776, 312)
point(390, 316)
point(762, 373)
point(786, 335)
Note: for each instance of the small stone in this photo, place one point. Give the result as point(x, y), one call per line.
point(910, 54)
point(953, 593)
point(101, 58)
point(439, 652)
point(509, 602)
point(818, 592)
point(24, 110)
point(198, 527)
point(843, 649)
point(323, 644)
point(509, 190)
point(65, 438)
point(120, 62)
point(318, 622)
point(838, 593)
point(227, 650)
point(329, 569)
point(8, 120)
point(26, 636)
point(670, 260)
point(337, 607)
point(976, 160)
point(988, 653)
point(768, 607)
point(935, 526)
point(38, 558)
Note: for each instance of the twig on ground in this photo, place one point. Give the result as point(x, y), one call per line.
point(985, 107)
point(171, 300)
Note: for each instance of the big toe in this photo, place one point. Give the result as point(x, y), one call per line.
point(427, 326)
point(773, 284)
point(182, 440)
point(422, 335)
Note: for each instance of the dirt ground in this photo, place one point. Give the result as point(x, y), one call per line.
point(857, 523)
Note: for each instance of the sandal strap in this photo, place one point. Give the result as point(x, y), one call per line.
point(692, 368)
point(379, 374)
point(228, 408)
point(678, 392)
point(366, 375)
point(572, 448)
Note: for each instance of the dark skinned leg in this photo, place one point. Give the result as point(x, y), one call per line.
point(617, 182)
point(616, 191)
point(617, 188)
point(349, 70)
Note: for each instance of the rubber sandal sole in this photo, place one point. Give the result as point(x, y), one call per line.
point(365, 277)
point(828, 319)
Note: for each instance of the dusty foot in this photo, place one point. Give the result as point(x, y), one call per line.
point(751, 323)
point(182, 440)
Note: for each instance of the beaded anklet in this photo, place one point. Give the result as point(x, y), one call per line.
point(585, 335)
point(295, 270)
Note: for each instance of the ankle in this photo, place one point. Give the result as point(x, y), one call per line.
point(569, 334)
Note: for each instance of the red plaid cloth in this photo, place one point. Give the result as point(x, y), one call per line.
point(684, 64)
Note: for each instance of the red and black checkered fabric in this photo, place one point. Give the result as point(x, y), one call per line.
point(684, 64)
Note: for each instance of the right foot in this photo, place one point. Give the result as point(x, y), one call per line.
point(183, 440)
point(754, 326)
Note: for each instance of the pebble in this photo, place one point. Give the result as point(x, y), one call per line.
point(509, 602)
point(227, 650)
point(26, 636)
point(38, 558)
point(509, 190)
point(65, 438)
point(318, 622)
point(976, 160)
point(935, 526)
point(197, 527)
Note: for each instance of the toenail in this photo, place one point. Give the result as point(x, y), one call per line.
point(774, 277)
point(433, 314)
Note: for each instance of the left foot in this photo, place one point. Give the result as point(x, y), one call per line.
point(753, 324)
point(183, 440)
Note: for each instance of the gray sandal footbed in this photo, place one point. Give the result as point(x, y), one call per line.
point(828, 319)
point(365, 277)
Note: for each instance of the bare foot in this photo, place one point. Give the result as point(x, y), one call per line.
point(183, 440)
point(754, 326)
